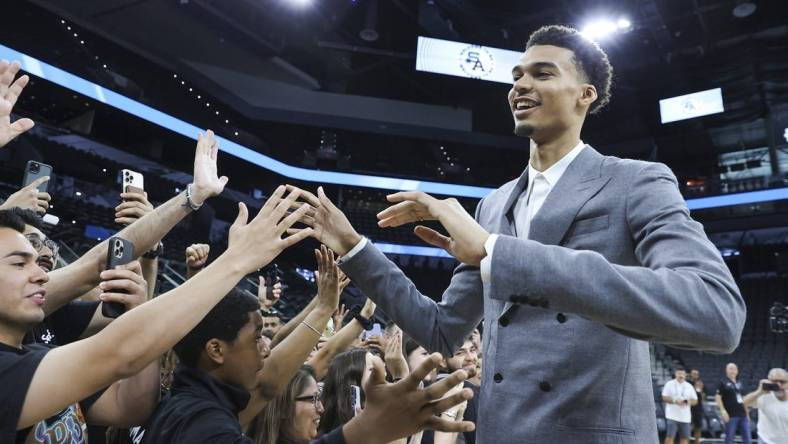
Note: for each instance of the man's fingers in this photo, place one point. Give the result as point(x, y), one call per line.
point(377, 376)
point(448, 402)
point(115, 297)
point(432, 237)
point(273, 200)
point(44, 196)
point(421, 372)
point(395, 210)
point(297, 237)
point(291, 219)
point(438, 389)
point(310, 198)
point(37, 182)
point(416, 196)
point(21, 125)
point(448, 426)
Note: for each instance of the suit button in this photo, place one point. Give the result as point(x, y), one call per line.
point(561, 317)
point(545, 386)
point(498, 377)
point(504, 321)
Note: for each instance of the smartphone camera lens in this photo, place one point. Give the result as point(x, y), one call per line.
point(35, 168)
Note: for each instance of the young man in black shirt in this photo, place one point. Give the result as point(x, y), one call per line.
point(731, 403)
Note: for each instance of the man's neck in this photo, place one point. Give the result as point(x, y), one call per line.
point(11, 336)
point(545, 154)
point(733, 380)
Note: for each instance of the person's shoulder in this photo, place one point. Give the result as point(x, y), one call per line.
point(632, 168)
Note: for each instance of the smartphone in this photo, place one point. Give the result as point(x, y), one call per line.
point(33, 171)
point(771, 387)
point(119, 252)
point(132, 182)
point(376, 331)
point(355, 398)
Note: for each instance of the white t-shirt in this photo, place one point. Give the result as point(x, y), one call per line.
point(772, 419)
point(672, 389)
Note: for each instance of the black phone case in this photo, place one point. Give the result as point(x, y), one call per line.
point(30, 175)
point(119, 252)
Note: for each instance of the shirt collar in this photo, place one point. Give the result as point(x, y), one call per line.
point(554, 173)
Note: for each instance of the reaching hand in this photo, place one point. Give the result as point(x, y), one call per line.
point(395, 360)
point(329, 225)
point(394, 411)
point(197, 256)
point(466, 237)
point(327, 278)
point(339, 316)
point(255, 244)
point(207, 182)
point(262, 293)
point(127, 278)
point(9, 92)
point(132, 208)
point(29, 198)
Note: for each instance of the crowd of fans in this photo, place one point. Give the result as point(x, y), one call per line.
point(207, 361)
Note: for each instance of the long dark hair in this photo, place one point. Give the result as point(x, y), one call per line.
point(345, 370)
point(280, 411)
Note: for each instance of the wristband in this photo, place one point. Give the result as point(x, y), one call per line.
point(312, 328)
point(355, 313)
point(155, 252)
point(189, 202)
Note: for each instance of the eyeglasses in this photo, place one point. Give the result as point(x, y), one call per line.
point(38, 243)
point(314, 398)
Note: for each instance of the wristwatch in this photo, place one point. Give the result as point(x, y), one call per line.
point(156, 252)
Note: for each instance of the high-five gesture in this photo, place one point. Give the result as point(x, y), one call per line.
point(330, 226)
point(328, 278)
point(9, 92)
point(207, 183)
point(467, 237)
point(255, 244)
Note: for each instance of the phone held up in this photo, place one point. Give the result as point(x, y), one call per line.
point(120, 252)
point(33, 171)
point(132, 182)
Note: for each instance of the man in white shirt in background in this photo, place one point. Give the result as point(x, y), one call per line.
point(679, 396)
point(772, 403)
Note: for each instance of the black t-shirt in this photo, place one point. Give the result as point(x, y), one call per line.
point(65, 325)
point(17, 367)
point(732, 398)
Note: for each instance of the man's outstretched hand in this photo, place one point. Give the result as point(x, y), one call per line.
point(329, 225)
point(207, 182)
point(9, 92)
point(466, 237)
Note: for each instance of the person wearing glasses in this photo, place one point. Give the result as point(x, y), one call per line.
point(772, 403)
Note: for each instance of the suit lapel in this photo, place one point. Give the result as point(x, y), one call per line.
point(507, 225)
point(579, 183)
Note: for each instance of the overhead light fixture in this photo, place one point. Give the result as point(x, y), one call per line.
point(744, 9)
point(369, 33)
point(599, 29)
point(623, 23)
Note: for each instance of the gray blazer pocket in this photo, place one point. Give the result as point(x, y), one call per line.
point(590, 225)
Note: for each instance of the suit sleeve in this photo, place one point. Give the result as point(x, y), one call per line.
point(438, 327)
point(682, 294)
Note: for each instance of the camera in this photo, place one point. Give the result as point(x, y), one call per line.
point(771, 387)
point(778, 318)
point(35, 167)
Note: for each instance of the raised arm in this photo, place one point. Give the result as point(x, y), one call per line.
point(291, 325)
point(440, 327)
point(290, 354)
point(196, 258)
point(82, 275)
point(123, 348)
point(9, 93)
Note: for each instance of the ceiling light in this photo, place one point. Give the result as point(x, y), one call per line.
point(599, 29)
point(745, 9)
point(623, 23)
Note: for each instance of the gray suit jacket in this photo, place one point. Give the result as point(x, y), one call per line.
point(613, 260)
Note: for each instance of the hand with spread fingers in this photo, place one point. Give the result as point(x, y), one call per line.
point(327, 279)
point(329, 225)
point(255, 244)
point(466, 237)
point(132, 208)
point(29, 197)
point(395, 359)
point(207, 182)
point(125, 285)
point(398, 410)
point(10, 90)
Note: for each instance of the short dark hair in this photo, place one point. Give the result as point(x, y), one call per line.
point(224, 322)
point(268, 334)
point(589, 59)
point(30, 217)
point(10, 219)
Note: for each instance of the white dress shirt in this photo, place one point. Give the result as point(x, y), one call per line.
point(540, 183)
point(539, 186)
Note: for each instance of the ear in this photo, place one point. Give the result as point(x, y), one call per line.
point(214, 350)
point(587, 95)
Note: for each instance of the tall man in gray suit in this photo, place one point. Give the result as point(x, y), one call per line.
point(573, 267)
